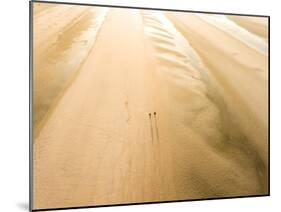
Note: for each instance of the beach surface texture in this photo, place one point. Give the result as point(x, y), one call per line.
point(138, 106)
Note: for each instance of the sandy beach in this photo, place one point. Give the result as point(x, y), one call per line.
point(141, 106)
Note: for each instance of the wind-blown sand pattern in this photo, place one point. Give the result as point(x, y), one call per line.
point(141, 106)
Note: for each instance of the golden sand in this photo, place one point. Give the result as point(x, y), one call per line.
point(140, 106)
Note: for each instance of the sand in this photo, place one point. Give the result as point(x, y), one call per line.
point(98, 140)
point(255, 25)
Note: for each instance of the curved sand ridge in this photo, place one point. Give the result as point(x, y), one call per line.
point(255, 25)
point(207, 132)
point(204, 116)
point(226, 25)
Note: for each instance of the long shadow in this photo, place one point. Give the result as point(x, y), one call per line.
point(151, 128)
point(156, 126)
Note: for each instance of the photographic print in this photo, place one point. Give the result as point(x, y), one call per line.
point(138, 105)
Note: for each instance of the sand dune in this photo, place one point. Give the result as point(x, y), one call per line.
point(255, 25)
point(246, 72)
point(147, 106)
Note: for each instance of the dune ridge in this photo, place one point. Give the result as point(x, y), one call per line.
point(165, 106)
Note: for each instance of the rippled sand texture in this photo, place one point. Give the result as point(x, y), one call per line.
point(99, 76)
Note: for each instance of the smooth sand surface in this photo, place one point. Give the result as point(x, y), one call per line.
point(98, 140)
point(63, 37)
